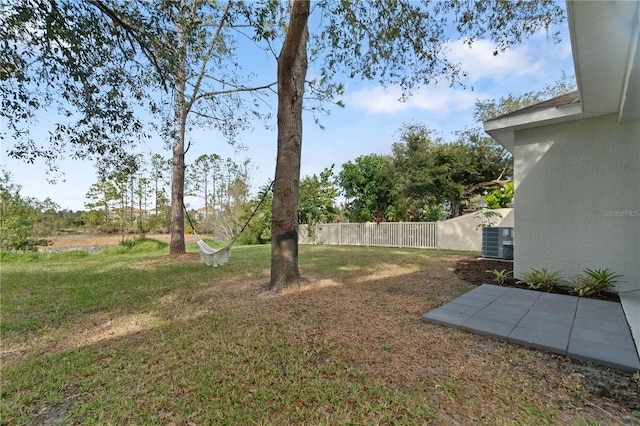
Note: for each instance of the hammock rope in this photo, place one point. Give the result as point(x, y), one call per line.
point(217, 257)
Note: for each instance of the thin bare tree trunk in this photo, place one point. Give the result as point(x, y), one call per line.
point(292, 70)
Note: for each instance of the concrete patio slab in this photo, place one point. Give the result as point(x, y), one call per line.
point(625, 359)
point(489, 327)
point(453, 314)
point(541, 339)
point(612, 338)
point(498, 315)
point(545, 325)
point(585, 329)
point(518, 297)
point(481, 301)
point(631, 305)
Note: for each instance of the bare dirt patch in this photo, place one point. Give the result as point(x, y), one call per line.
point(101, 326)
point(95, 240)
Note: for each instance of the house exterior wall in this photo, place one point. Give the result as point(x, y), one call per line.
point(578, 198)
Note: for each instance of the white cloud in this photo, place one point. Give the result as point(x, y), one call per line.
point(537, 58)
point(378, 100)
point(565, 50)
point(521, 68)
point(479, 61)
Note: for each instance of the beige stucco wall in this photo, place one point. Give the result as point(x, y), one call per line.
point(462, 232)
point(578, 197)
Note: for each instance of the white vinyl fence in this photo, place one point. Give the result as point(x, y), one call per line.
point(386, 234)
point(460, 233)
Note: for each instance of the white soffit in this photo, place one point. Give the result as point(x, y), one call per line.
point(630, 102)
point(604, 39)
point(502, 129)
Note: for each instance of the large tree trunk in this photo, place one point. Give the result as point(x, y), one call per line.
point(292, 70)
point(176, 245)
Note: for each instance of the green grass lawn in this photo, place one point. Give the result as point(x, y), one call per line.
point(134, 336)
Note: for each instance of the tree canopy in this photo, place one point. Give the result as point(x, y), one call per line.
point(423, 175)
point(80, 59)
point(318, 195)
point(367, 184)
point(433, 173)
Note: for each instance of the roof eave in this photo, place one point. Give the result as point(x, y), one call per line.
point(503, 129)
point(630, 99)
point(604, 43)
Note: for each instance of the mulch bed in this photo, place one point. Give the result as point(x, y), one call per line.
point(474, 270)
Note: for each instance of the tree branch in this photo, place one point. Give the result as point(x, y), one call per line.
point(235, 90)
point(205, 60)
point(131, 32)
point(488, 184)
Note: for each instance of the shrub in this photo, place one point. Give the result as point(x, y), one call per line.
point(33, 256)
point(7, 256)
point(137, 245)
point(499, 276)
point(594, 281)
point(487, 218)
point(72, 254)
point(541, 280)
point(18, 230)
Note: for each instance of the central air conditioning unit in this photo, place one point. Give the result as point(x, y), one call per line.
point(497, 243)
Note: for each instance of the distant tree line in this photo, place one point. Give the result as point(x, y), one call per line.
point(139, 201)
point(25, 222)
point(133, 202)
point(424, 179)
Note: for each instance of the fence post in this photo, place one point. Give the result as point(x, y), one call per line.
point(435, 233)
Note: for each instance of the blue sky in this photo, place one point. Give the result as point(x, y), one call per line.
point(367, 124)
